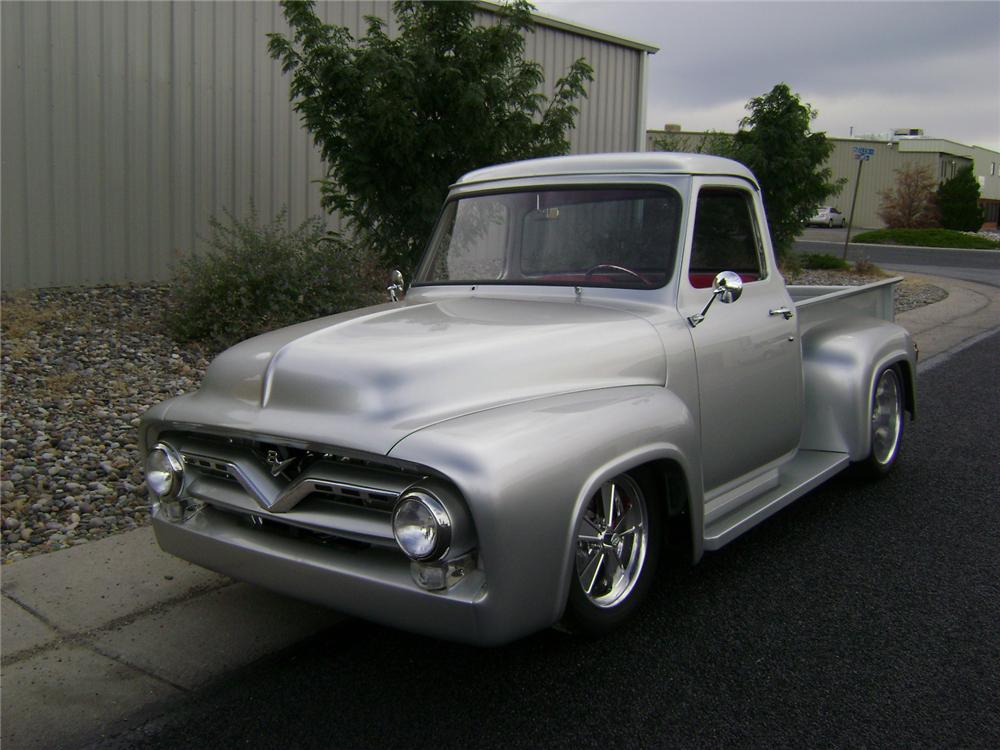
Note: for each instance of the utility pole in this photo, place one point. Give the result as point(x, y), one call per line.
point(862, 154)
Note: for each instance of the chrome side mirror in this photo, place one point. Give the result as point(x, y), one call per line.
point(396, 286)
point(727, 287)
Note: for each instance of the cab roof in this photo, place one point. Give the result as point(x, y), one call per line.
point(652, 162)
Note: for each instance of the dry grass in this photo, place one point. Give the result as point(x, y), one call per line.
point(864, 267)
point(62, 385)
point(20, 315)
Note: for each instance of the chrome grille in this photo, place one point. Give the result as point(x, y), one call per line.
point(327, 494)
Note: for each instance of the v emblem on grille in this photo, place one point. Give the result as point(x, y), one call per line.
point(277, 465)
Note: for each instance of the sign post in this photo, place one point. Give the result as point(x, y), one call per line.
point(862, 154)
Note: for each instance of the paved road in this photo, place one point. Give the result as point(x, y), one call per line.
point(862, 615)
point(971, 265)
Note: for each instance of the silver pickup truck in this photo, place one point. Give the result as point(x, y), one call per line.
point(597, 358)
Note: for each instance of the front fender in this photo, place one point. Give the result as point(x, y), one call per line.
point(840, 361)
point(525, 471)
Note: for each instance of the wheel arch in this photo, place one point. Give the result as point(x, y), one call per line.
point(669, 469)
point(909, 374)
point(841, 361)
point(680, 536)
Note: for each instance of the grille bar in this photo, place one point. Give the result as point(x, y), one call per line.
point(360, 524)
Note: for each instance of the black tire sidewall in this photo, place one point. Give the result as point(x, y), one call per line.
point(871, 466)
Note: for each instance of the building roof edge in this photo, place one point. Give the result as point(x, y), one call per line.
point(552, 22)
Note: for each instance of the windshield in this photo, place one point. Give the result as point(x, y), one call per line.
point(622, 237)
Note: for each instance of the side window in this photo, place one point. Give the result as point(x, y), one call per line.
point(725, 237)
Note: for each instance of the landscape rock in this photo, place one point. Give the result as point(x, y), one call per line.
point(78, 368)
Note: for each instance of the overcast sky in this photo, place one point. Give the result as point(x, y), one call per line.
point(871, 65)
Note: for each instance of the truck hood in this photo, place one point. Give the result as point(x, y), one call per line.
point(366, 379)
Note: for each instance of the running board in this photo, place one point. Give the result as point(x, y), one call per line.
point(800, 475)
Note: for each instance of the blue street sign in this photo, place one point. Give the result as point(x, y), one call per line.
point(863, 152)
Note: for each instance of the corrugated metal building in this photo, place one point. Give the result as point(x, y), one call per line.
point(892, 152)
point(942, 157)
point(125, 126)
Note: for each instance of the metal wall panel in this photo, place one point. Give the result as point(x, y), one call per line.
point(609, 117)
point(126, 126)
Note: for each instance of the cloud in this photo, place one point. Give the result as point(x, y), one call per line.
point(873, 65)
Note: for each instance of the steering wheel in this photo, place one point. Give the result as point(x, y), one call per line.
point(629, 271)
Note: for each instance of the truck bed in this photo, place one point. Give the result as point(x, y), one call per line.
point(817, 304)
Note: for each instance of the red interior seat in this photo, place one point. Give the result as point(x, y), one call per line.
point(701, 280)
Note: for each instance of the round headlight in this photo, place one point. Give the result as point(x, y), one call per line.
point(164, 471)
point(422, 526)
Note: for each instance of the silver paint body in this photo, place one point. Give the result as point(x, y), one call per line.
point(525, 400)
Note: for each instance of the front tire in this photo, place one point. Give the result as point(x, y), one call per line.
point(616, 551)
point(887, 417)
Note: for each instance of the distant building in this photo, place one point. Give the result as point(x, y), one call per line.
point(893, 151)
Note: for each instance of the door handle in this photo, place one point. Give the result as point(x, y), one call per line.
point(785, 312)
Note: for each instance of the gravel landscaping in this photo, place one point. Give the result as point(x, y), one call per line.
point(79, 366)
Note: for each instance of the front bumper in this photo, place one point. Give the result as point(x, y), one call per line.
point(374, 584)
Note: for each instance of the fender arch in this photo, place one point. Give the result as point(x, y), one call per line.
point(840, 362)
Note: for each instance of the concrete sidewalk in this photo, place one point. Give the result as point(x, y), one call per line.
point(96, 636)
point(970, 311)
point(97, 639)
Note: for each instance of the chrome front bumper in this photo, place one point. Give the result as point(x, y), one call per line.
point(373, 584)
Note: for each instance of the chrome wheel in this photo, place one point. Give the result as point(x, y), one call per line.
point(887, 417)
point(611, 542)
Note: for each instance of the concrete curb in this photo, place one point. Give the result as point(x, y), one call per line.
point(97, 638)
point(862, 245)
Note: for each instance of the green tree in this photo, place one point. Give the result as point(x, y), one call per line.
point(775, 141)
point(397, 120)
point(958, 202)
point(711, 142)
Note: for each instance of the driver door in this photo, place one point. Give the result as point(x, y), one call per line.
point(748, 357)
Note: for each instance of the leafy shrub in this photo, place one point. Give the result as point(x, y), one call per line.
point(822, 262)
point(260, 277)
point(958, 199)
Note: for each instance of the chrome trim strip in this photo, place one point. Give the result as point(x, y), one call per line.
point(349, 522)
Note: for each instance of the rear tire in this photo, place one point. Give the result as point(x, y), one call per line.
point(615, 554)
point(886, 413)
